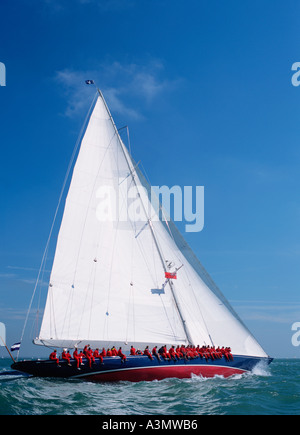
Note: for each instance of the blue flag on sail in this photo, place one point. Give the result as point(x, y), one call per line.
point(15, 346)
point(89, 82)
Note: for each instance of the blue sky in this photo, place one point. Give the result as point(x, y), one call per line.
point(205, 88)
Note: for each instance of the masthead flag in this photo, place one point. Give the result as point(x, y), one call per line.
point(90, 82)
point(15, 346)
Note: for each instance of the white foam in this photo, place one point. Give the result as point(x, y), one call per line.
point(261, 369)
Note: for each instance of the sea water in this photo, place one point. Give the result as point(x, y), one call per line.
point(272, 390)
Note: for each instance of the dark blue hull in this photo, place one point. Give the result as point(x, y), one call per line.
point(139, 368)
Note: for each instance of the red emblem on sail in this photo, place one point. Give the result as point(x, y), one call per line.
point(170, 275)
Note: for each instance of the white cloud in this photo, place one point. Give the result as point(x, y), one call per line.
point(7, 275)
point(141, 83)
point(78, 94)
point(23, 279)
point(114, 99)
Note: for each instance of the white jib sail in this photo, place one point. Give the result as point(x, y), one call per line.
point(107, 285)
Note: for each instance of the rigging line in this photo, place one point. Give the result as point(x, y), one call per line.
point(93, 278)
point(89, 202)
point(53, 332)
point(55, 215)
point(164, 217)
point(128, 138)
point(130, 173)
point(116, 157)
point(39, 300)
point(173, 250)
point(89, 294)
point(183, 321)
point(149, 191)
point(146, 175)
point(199, 307)
point(99, 235)
point(187, 276)
point(154, 265)
point(141, 248)
point(154, 278)
point(180, 259)
point(122, 205)
point(144, 257)
point(148, 266)
point(151, 227)
point(87, 212)
point(128, 315)
point(90, 284)
point(132, 289)
point(129, 145)
point(92, 298)
point(185, 271)
point(170, 323)
point(70, 302)
point(111, 263)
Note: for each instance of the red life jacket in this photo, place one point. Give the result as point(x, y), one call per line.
point(53, 356)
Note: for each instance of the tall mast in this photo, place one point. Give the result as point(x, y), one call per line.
point(183, 321)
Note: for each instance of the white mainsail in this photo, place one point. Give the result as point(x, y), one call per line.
point(107, 285)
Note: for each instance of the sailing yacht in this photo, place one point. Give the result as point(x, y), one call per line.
point(124, 276)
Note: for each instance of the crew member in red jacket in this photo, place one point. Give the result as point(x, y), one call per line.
point(66, 356)
point(147, 352)
point(172, 353)
point(132, 351)
point(78, 357)
point(114, 351)
point(183, 351)
point(154, 352)
point(121, 355)
point(96, 354)
point(53, 357)
point(90, 357)
point(178, 352)
point(162, 352)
